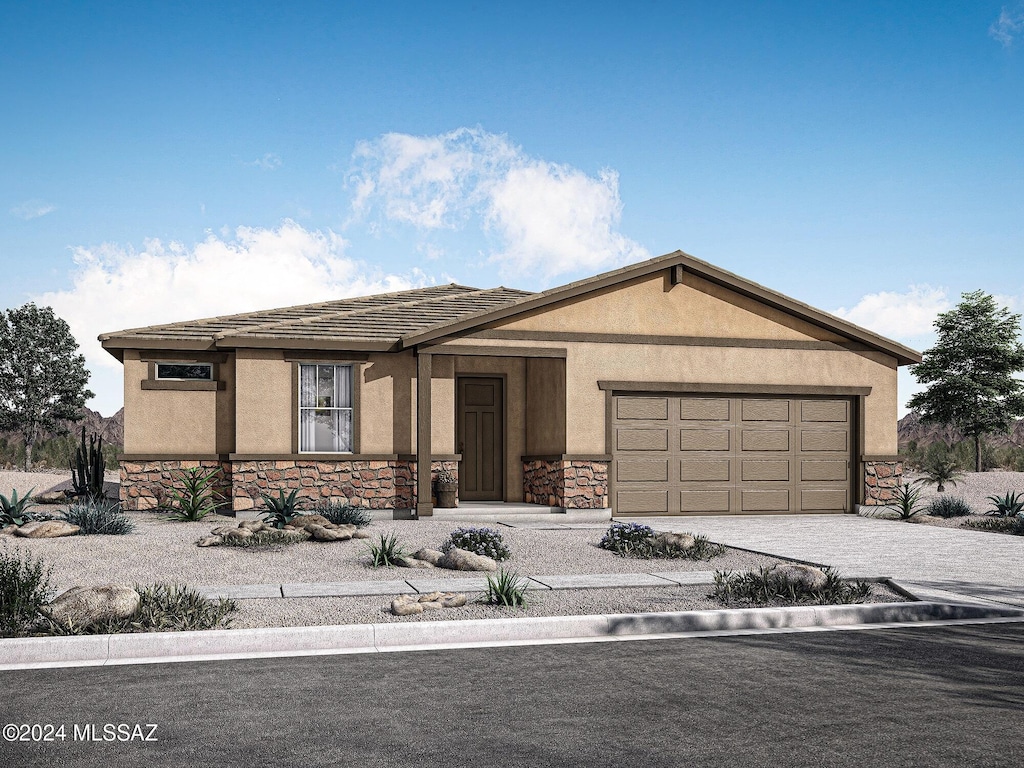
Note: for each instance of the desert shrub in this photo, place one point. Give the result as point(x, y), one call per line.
point(948, 506)
point(1007, 506)
point(1012, 525)
point(198, 498)
point(760, 587)
point(283, 509)
point(505, 588)
point(98, 518)
point(14, 511)
point(163, 608)
point(628, 539)
point(482, 541)
point(907, 500)
point(274, 539)
point(702, 549)
point(941, 470)
point(386, 551)
point(343, 513)
point(24, 584)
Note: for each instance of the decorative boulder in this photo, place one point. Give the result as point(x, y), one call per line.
point(47, 529)
point(50, 497)
point(305, 521)
point(210, 541)
point(408, 561)
point(85, 606)
point(407, 605)
point(460, 560)
point(672, 542)
point(238, 534)
point(360, 534)
point(805, 577)
point(432, 556)
point(321, 533)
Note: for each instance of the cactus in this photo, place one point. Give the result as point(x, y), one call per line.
point(87, 469)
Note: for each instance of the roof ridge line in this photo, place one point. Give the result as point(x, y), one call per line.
point(344, 313)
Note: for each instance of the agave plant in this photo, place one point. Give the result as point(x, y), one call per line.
point(387, 551)
point(1007, 506)
point(505, 588)
point(907, 500)
point(283, 509)
point(198, 498)
point(941, 470)
point(14, 511)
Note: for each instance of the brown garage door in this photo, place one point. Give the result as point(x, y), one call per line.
point(701, 455)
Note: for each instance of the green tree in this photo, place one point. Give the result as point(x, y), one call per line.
point(970, 370)
point(42, 374)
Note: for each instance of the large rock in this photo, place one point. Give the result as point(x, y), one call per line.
point(47, 529)
point(407, 605)
point(51, 497)
point(432, 556)
point(10, 530)
point(460, 560)
point(305, 521)
point(86, 606)
point(239, 534)
point(805, 577)
point(672, 542)
point(210, 541)
point(322, 533)
point(406, 561)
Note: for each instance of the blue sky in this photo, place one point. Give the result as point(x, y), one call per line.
point(171, 161)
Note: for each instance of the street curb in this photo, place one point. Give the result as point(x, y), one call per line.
point(164, 647)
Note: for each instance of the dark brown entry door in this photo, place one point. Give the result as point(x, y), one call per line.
point(480, 411)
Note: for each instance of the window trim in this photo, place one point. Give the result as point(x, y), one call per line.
point(297, 408)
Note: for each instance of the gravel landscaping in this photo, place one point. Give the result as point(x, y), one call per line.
point(974, 488)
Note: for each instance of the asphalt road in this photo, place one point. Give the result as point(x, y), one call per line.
point(908, 697)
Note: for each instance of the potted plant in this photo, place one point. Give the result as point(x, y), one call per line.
point(447, 489)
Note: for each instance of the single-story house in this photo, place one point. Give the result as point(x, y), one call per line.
point(667, 387)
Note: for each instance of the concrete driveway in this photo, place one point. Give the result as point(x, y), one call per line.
point(976, 563)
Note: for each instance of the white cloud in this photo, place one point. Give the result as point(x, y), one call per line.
point(268, 162)
point(899, 315)
point(548, 218)
point(1009, 24)
point(32, 209)
point(116, 287)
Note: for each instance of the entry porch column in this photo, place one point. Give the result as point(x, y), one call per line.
point(424, 454)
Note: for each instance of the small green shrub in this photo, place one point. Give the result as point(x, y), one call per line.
point(1006, 506)
point(1012, 525)
point(386, 551)
point(198, 498)
point(24, 587)
point(267, 539)
point(163, 608)
point(505, 588)
point(702, 549)
point(343, 513)
point(907, 501)
point(283, 509)
point(14, 511)
point(482, 541)
point(948, 506)
point(628, 539)
point(98, 518)
point(940, 470)
point(759, 587)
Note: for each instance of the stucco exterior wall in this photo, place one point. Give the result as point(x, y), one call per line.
point(545, 406)
point(166, 422)
point(265, 397)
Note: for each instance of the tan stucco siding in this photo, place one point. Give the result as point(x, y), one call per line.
point(265, 399)
point(652, 306)
point(587, 364)
point(386, 403)
point(165, 422)
point(545, 406)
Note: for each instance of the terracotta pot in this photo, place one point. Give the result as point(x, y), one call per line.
point(447, 495)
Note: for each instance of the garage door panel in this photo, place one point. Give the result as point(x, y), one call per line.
point(708, 470)
point(704, 409)
point(765, 470)
point(641, 501)
point(712, 454)
point(824, 440)
point(641, 470)
point(822, 500)
point(642, 440)
point(764, 501)
point(824, 410)
point(823, 470)
point(704, 440)
point(652, 408)
point(704, 501)
point(765, 410)
point(765, 440)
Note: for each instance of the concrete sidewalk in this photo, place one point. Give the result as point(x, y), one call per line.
point(976, 563)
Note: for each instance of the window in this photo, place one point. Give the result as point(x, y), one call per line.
point(185, 371)
point(325, 408)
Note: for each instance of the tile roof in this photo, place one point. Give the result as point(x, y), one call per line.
point(383, 318)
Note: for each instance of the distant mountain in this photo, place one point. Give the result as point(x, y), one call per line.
point(910, 428)
point(110, 428)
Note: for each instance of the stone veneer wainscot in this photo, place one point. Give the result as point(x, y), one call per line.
point(881, 479)
point(570, 484)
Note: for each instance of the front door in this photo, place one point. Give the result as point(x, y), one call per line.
point(480, 410)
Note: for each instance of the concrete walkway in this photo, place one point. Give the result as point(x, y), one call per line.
point(977, 563)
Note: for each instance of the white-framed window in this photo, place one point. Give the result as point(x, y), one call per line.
point(184, 371)
point(325, 408)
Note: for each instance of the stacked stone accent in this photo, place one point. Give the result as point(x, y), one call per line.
point(147, 484)
point(567, 484)
point(371, 484)
point(881, 479)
